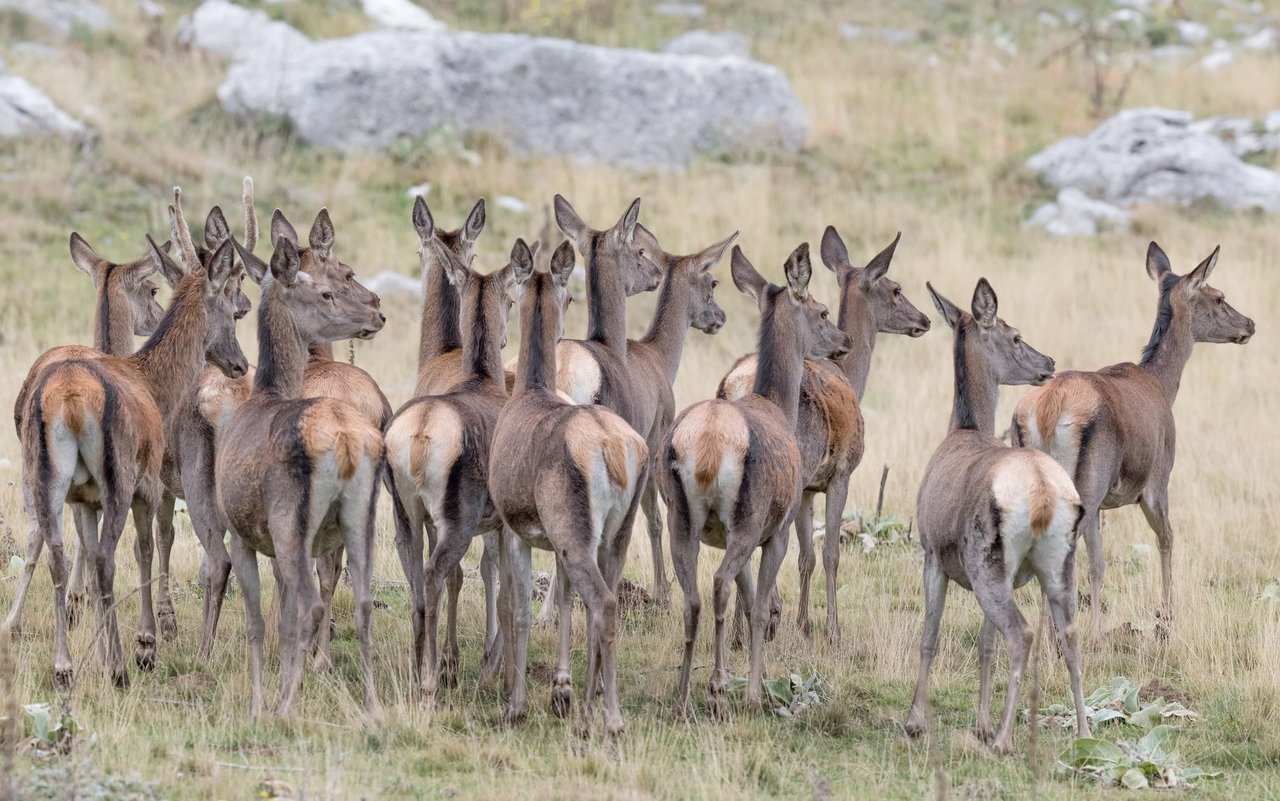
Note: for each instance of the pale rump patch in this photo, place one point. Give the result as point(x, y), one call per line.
point(332, 427)
point(712, 433)
point(619, 446)
point(1065, 403)
point(72, 396)
point(1031, 490)
point(218, 396)
point(427, 441)
point(577, 373)
point(740, 378)
point(346, 383)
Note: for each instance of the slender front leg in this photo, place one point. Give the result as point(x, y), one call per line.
point(1090, 528)
point(358, 525)
point(246, 567)
point(166, 617)
point(115, 510)
point(521, 565)
point(328, 573)
point(562, 681)
point(771, 555)
point(144, 653)
point(653, 520)
point(451, 661)
point(986, 650)
point(684, 561)
point(1155, 507)
point(85, 518)
point(489, 569)
point(808, 560)
point(738, 553)
point(935, 598)
point(837, 493)
point(1062, 604)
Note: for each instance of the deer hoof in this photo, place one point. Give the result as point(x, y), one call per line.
point(984, 733)
point(167, 620)
point(915, 725)
point(449, 671)
point(145, 652)
point(717, 705)
point(515, 717)
point(75, 608)
point(806, 628)
point(561, 697)
point(120, 678)
point(1003, 746)
point(63, 678)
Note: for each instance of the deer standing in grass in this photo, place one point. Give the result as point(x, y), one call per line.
point(992, 517)
point(731, 474)
point(564, 478)
point(438, 450)
point(94, 435)
point(830, 429)
point(297, 478)
point(1113, 430)
point(125, 306)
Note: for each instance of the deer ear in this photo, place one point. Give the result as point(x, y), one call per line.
point(284, 262)
point(475, 222)
point(877, 267)
point(321, 236)
point(1200, 275)
point(834, 254)
point(562, 263)
point(457, 272)
point(221, 265)
point(626, 226)
point(422, 222)
point(645, 239)
point(216, 230)
point(949, 311)
point(281, 228)
point(83, 256)
point(163, 262)
point(1157, 262)
point(254, 266)
point(711, 255)
point(984, 304)
point(798, 271)
point(568, 220)
point(745, 276)
point(521, 265)
point(535, 249)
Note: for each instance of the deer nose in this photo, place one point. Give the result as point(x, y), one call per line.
point(382, 317)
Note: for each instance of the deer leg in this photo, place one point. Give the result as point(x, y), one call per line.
point(737, 554)
point(308, 611)
point(837, 494)
point(1058, 583)
point(444, 563)
point(255, 627)
point(328, 569)
point(84, 517)
point(772, 553)
point(935, 599)
point(358, 525)
point(35, 544)
point(452, 657)
point(286, 621)
point(520, 560)
point(744, 602)
point(994, 589)
point(1090, 528)
point(1155, 507)
point(562, 681)
point(48, 516)
point(166, 617)
point(653, 521)
point(409, 547)
point(115, 509)
point(492, 661)
point(808, 560)
point(986, 650)
point(602, 622)
point(144, 652)
point(684, 545)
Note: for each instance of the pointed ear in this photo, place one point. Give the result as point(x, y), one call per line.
point(284, 262)
point(457, 272)
point(216, 230)
point(799, 271)
point(877, 267)
point(1157, 262)
point(562, 263)
point(221, 266)
point(568, 221)
point(521, 265)
point(949, 311)
point(254, 266)
point(711, 255)
point(1200, 275)
point(83, 256)
point(535, 249)
point(164, 262)
point(321, 236)
point(745, 276)
point(281, 228)
point(475, 222)
point(645, 239)
point(834, 254)
point(984, 304)
point(626, 226)
point(422, 221)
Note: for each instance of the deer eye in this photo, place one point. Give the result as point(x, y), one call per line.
point(154, 291)
point(824, 315)
point(327, 296)
point(897, 292)
point(351, 277)
point(715, 284)
point(1017, 339)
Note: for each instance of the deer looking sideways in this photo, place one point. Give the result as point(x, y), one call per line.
point(992, 517)
point(830, 430)
point(730, 472)
point(94, 435)
point(1113, 431)
point(564, 478)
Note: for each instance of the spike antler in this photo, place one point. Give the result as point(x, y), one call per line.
point(250, 216)
point(182, 232)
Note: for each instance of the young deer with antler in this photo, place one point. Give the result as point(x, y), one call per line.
point(438, 450)
point(731, 474)
point(830, 428)
point(564, 478)
point(1113, 429)
point(94, 434)
point(125, 307)
point(992, 517)
point(297, 477)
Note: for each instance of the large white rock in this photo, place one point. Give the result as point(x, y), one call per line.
point(401, 15)
point(63, 15)
point(27, 111)
point(542, 95)
point(1157, 155)
point(1076, 214)
point(236, 32)
point(714, 44)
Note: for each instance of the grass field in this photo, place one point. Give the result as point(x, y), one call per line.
point(895, 145)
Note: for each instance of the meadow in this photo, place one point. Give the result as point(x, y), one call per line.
point(896, 144)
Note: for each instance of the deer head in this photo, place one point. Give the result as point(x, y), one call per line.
point(817, 335)
point(133, 279)
point(695, 270)
point(1189, 301)
point(221, 288)
point(618, 244)
point(1003, 352)
point(323, 308)
point(485, 302)
point(870, 287)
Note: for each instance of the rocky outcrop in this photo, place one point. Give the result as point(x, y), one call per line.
point(1076, 214)
point(27, 111)
point(63, 15)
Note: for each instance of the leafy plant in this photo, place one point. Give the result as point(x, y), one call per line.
point(1147, 763)
point(792, 694)
point(64, 779)
point(873, 532)
point(1271, 592)
point(1117, 700)
point(49, 732)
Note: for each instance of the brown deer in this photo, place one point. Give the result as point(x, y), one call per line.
point(564, 478)
point(438, 454)
point(94, 434)
point(1113, 429)
point(297, 477)
point(730, 472)
point(992, 517)
point(125, 306)
point(830, 430)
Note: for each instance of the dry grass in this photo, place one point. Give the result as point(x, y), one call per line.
point(896, 145)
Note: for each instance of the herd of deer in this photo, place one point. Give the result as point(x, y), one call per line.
point(558, 449)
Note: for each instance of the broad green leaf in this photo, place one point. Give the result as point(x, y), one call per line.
point(1106, 714)
point(15, 566)
point(1131, 699)
point(1092, 752)
point(1134, 779)
point(1149, 717)
point(1157, 742)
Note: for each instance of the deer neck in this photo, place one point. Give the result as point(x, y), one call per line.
point(977, 390)
point(320, 352)
point(606, 302)
point(113, 317)
point(780, 364)
point(439, 331)
point(670, 324)
point(858, 320)
point(282, 351)
point(1169, 349)
point(172, 358)
point(536, 368)
point(482, 348)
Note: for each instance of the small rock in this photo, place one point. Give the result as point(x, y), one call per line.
point(150, 9)
point(1174, 52)
point(713, 44)
point(420, 189)
point(512, 204)
point(1191, 32)
point(1217, 60)
point(1264, 41)
point(235, 32)
point(36, 50)
point(27, 111)
point(401, 15)
point(388, 283)
point(691, 10)
point(893, 36)
point(1076, 214)
point(63, 15)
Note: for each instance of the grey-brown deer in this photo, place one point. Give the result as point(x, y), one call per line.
point(297, 477)
point(731, 474)
point(94, 435)
point(992, 517)
point(830, 428)
point(564, 478)
point(1113, 430)
point(440, 362)
point(438, 455)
